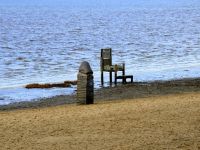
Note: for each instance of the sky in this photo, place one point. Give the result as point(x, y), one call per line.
point(101, 3)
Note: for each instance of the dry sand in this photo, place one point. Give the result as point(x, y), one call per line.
point(157, 122)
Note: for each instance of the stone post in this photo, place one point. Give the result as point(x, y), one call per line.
point(85, 84)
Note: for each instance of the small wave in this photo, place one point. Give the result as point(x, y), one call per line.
point(7, 47)
point(21, 58)
point(12, 86)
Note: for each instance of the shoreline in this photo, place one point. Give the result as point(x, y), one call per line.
point(119, 92)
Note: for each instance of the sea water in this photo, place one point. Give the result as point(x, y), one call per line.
point(48, 44)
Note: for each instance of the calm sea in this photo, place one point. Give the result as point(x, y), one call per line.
point(46, 44)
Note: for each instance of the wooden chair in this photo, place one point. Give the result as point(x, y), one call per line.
point(106, 65)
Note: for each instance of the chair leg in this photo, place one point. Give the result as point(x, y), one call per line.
point(124, 80)
point(110, 77)
point(123, 72)
point(102, 78)
point(115, 77)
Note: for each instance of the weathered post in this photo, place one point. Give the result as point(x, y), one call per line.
point(85, 84)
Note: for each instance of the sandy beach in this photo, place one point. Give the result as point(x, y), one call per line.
point(157, 121)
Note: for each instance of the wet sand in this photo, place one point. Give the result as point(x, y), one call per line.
point(119, 92)
point(158, 122)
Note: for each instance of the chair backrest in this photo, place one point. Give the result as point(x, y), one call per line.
point(106, 57)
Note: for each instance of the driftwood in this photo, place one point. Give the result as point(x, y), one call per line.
point(49, 85)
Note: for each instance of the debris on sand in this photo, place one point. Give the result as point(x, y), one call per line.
point(51, 85)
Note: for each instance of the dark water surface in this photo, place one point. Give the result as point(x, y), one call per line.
point(44, 44)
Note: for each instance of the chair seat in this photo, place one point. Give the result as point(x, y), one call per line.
point(108, 68)
point(113, 68)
